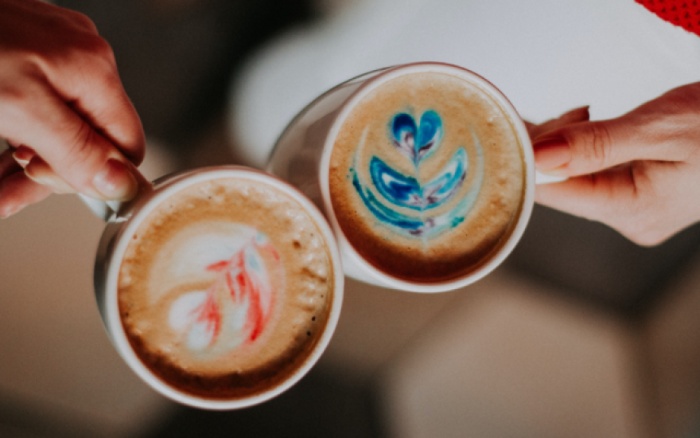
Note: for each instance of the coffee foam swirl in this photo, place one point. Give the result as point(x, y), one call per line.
point(418, 204)
point(225, 287)
point(240, 266)
point(426, 176)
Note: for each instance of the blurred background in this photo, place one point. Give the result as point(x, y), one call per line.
point(580, 334)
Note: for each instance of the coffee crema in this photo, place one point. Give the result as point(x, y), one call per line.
point(225, 288)
point(426, 176)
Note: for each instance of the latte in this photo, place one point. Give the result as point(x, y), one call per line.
point(225, 288)
point(427, 176)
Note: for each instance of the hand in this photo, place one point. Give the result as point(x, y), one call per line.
point(63, 109)
point(638, 173)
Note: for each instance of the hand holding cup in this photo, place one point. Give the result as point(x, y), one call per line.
point(63, 109)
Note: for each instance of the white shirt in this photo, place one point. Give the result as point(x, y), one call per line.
point(547, 56)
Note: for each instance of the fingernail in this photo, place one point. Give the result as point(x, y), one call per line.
point(551, 154)
point(582, 112)
point(23, 155)
point(115, 181)
point(8, 211)
point(9, 208)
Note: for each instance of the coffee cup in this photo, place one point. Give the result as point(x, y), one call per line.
point(425, 172)
point(219, 287)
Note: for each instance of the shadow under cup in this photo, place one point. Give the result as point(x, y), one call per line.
point(425, 172)
point(221, 288)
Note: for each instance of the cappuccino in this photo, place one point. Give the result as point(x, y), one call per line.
point(226, 287)
point(427, 176)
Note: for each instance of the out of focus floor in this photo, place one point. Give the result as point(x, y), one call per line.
point(580, 334)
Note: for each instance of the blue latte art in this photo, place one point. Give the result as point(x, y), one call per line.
point(408, 205)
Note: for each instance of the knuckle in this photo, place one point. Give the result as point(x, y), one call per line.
point(79, 152)
point(85, 56)
point(80, 141)
point(80, 20)
point(598, 144)
point(641, 225)
point(94, 47)
point(103, 62)
point(89, 61)
point(100, 47)
point(646, 236)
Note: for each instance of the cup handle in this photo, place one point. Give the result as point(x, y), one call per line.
point(111, 210)
point(105, 210)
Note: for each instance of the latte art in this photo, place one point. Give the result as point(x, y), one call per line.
point(426, 176)
point(407, 204)
point(225, 288)
point(235, 308)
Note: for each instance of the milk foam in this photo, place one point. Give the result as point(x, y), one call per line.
point(236, 306)
point(225, 282)
point(405, 202)
point(426, 176)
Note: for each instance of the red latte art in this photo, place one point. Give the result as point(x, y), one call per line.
point(242, 285)
point(225, 289)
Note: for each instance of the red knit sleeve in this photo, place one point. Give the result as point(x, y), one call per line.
point(683, 13)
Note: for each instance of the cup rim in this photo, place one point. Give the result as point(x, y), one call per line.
point(527, 204)
point(144, 207)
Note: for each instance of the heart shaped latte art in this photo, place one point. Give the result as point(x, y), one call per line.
point(404, 203)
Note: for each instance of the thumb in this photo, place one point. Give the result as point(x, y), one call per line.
point(589, 147)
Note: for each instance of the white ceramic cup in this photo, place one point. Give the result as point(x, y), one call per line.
point(302, 155)
point(124, 220)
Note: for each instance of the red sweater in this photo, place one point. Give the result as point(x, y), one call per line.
point(683, 13)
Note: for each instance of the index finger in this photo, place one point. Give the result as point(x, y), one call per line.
point(89, 82)
point(34, 115)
